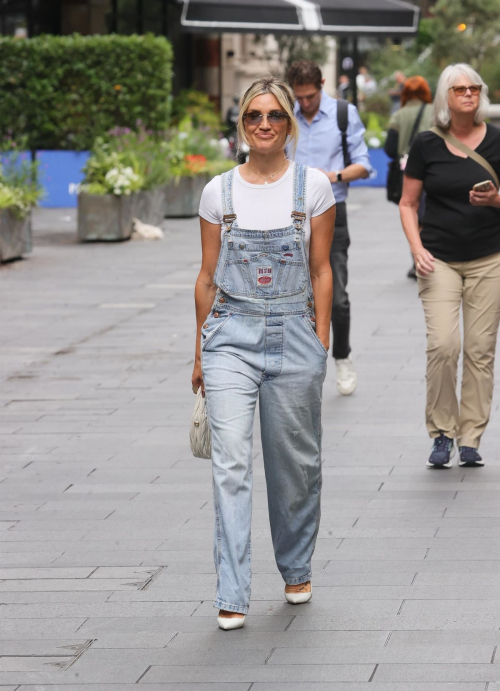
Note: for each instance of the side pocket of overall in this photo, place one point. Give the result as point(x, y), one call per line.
point(310, 327)
point(211, 327)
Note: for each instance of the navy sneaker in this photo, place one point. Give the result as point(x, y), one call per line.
point(469, 456)
point(442, 452)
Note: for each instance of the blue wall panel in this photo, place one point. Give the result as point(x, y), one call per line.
point(61, 174)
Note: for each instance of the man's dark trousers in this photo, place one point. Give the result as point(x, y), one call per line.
point(341, 308)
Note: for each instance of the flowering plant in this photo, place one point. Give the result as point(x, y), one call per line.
point(19, 186)
point(112, 172)
point(126, 160)
point(122, 179)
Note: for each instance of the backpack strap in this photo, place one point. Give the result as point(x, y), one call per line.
point(342, 122)
point(471, 153)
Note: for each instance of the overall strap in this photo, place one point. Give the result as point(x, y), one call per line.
point(299, 198)
point(228, 215)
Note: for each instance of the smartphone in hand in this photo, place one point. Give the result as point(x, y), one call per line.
point(484, 186)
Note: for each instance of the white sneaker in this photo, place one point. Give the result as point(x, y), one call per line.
point(347, 379)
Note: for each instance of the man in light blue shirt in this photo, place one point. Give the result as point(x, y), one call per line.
point(320, 146)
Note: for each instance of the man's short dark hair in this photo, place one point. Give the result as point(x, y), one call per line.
point(304, 72)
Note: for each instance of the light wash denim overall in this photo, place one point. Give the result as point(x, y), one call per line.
point(259, 342)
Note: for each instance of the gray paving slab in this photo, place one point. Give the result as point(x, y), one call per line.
point(386, 655)
point(309, 673)
point(438, 672)
point(234, 686)
point(106, 519)
point(374, 686)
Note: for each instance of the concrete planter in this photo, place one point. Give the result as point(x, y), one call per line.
point(105, 217)
point(149, 205)
point(15, 236)
point(182, 196)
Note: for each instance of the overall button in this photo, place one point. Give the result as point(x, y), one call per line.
point(309, 304)
point(216, 314)
point(205, 326)
point(222, 300)
point(242, 246)
point(313, 319)
point(283, 261)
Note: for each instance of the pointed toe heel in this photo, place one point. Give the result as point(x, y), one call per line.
point(230, 623)
point(298, 598)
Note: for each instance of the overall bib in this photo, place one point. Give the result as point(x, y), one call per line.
point(259, 342)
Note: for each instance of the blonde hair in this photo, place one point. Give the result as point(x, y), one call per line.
point(269, 84)
point(448, 78)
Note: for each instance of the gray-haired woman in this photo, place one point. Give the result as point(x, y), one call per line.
point(457, 256)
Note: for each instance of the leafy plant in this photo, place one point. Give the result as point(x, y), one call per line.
point(126, 161)
point(375, 134)
point(19, 186)
point(61, 92)
point(197, 107)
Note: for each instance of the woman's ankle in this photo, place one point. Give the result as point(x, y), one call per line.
point(229, 615)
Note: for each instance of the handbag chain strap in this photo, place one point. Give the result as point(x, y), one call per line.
point(451, 139)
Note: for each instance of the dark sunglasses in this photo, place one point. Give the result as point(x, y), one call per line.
point(275, 117)
point(462, 90)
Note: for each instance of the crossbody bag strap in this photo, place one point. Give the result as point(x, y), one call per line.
point(451, 139)
point(416, 124)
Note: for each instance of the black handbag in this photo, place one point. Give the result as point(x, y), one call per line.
point(394, 184)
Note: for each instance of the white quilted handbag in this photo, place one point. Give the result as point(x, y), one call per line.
point(200, 436)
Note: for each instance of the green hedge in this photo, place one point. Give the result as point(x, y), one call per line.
point(60, 92)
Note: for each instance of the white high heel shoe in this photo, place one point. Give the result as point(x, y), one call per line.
point(230, 623)
point(298, 598)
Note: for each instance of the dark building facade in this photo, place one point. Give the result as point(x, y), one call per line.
point(28, 18)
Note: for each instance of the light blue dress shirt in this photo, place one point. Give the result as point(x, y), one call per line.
point(320, 142)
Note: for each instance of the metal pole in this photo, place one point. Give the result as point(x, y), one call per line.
point(355, 70)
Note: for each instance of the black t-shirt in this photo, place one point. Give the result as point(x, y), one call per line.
point(453, 229)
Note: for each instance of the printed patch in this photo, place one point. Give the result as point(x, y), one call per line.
point(265, 275)
point(288, 254)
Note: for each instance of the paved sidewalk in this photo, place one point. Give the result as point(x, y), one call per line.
point(106, 578)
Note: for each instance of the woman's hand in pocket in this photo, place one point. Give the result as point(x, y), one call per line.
point(324, 337)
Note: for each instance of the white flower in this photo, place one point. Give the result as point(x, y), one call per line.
point(374, 143)
point(183, 135)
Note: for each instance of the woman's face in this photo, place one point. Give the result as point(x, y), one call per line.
point(461, 100)
point(266, 135)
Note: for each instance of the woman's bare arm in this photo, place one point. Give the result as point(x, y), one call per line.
point(408, 208)
point(205, 289)
point(321, 272)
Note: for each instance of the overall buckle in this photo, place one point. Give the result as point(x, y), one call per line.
point(228, 220)
point(298, 218)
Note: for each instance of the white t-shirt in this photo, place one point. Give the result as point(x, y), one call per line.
point(268, 207)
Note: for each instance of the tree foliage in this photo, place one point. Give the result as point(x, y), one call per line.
point(292, 48)
point(457, 31)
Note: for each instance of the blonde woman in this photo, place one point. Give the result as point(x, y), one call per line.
point(263, 305)
point(457, 257)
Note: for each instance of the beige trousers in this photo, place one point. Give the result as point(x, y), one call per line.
point(474, 286)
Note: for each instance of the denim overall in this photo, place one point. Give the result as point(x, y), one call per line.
point(259, 343)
